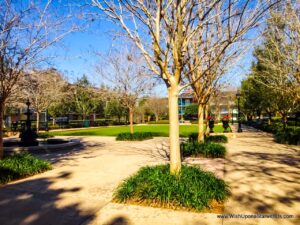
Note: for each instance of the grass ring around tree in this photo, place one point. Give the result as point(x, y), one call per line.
point(193, 189)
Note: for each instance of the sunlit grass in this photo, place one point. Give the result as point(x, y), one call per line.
point(20, 166)
point(158, 130)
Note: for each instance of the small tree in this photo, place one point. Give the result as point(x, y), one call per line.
point(115, 108)
point(159, 106)
point(191, 110)
point(126, 73)
point(85, 97)
point(43, 89)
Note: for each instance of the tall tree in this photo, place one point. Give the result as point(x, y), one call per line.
point(275, 67)
point(162, 30)
point(27, 28)
point(279, 57)
point(217, 47)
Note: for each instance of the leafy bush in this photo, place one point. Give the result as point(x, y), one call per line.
point(159, 122)
point(192, 188)
point(45, 135)
point(137, 136)
point(216, 139)
point(193, 137)
point(101, 123)
point(210, 150)
point(20, 166)
point(289, 136)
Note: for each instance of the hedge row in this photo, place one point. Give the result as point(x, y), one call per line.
point(137, 136)
point(289, 135)
point(193, 137)
point(209, 150)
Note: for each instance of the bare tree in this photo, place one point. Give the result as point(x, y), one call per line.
point(163, 30)
point(219, 45)
point(159, 106)
point(125, 70)
point(27, 28)
point(43, 88)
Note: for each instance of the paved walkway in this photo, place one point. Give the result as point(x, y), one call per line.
point(264, 178)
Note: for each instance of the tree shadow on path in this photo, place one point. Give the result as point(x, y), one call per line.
point(264, 183)
point(34, 201)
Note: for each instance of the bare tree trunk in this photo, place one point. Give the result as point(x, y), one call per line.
point(37, 121)
point(1, 130)
point(175, 157)
point(156, 117)
point(131, 120)
point(200, 123)
point(143, 118)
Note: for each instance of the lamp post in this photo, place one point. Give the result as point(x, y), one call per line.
point(238, 96)
point(232, 116)
point(46, 119)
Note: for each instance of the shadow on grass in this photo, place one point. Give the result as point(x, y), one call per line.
point(36, 202)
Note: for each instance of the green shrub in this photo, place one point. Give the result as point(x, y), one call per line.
point(288, 136)
point(45, 135)
point(101, 123)
point(192, 188)
point(210, 150)
point(193, 137)
point(137, 136)
point(20, 166)
point(159, 122)
point(216, 139)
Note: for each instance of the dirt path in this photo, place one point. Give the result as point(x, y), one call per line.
point(264, 178)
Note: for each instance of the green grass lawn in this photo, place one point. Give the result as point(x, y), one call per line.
point(159, 130)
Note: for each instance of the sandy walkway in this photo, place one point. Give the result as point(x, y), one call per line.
point(264, 178)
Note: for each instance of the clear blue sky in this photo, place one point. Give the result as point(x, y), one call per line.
point(76, 55)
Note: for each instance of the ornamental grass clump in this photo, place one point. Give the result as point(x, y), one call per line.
point(193, 137)
point(21, 166)
point(192, 189)
point(216, 139)
point(137, 136)
point(209, 150)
